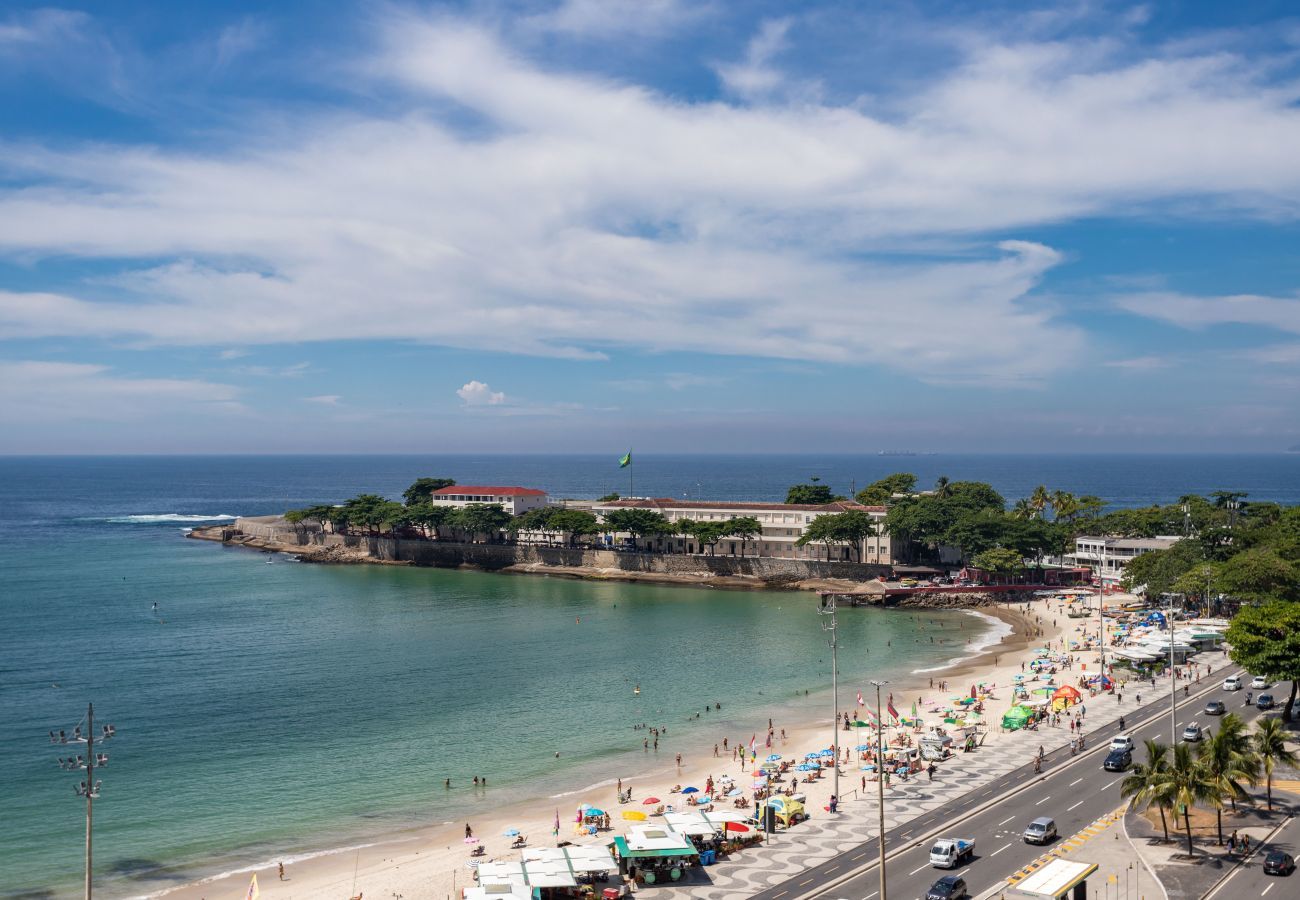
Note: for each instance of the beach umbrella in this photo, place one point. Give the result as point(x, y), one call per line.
point(738, 827)
point(774, 757)
point(735, 792)
point(649, 801)
point(862, 748)
point(808, 768)
point(592, 811)
point(707, 801)
point(690, 790)
point(511, 832)
point(826, 754)
point(634, 815)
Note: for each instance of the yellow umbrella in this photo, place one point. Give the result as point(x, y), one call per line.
point(633, 815)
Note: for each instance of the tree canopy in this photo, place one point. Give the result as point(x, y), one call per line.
point(1265, 640)
point(421, 488)
point(638, 522)
point(814, 494)
point(881, 493)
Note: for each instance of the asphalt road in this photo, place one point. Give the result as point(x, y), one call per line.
point(1249, 880)
point(1075, 791)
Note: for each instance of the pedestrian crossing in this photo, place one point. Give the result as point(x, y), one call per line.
point(1074, 842)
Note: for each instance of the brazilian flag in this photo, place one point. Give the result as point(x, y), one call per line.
point(626, 460)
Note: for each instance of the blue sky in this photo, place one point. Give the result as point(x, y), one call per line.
point(580, 225)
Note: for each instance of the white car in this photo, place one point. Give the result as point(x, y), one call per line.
point(1193, 733)
point(1122, 742)
point(1232, 683)
point(1259, 683)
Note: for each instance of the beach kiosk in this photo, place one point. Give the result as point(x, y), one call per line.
point(654, 853)
point(1060, 879)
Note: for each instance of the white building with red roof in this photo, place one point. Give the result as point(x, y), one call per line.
point(514, 500)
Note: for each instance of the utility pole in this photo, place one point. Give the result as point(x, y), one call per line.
point(1101, 607)
point(90, 787)
point(880, 783)
point(1173, 686)
point(827, 608)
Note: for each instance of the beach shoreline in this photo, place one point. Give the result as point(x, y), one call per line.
point(428, 861)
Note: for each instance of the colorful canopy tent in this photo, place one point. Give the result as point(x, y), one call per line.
point(787, 810)
point(1016, 717)
point(1065, 696)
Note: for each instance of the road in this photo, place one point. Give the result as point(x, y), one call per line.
point(1249, 880)
point(1075, 791)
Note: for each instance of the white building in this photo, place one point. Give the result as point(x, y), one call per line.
point(782, 526)
point(1107, 556)
point(514, 500)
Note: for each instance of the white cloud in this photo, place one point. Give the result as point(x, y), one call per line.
point(476, 393)
point(40, 391)
point(584, 217)
point(755, 77)
point(604, 18)
point(324, 399)
point(1190, 311)
point(1140, 363)
point(39, 28)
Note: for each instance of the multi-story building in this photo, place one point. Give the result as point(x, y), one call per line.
point(1107, 556)
point(514, 500)
point(782, 525)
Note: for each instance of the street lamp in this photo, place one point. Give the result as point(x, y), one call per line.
point(827, 608)
point(880, 782)
point(89, 763)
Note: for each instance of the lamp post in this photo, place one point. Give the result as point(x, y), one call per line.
point(827, 609)
point(1173, 686)
point(90, 787)
point(880, 782)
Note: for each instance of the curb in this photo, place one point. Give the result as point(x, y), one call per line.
point(1232, 870)
point(1123, 821)
point(1033, 782)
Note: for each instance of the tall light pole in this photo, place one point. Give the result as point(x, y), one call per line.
point(1173, 686)
point(90, 787)
point(880, 783)
point(827, 609)
point(1101, 608)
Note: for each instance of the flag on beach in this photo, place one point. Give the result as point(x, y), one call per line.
point(914, 709)
point(752, 745)
point(625, 460)
point(253, 892)
point(892, 712)
point(861, 702)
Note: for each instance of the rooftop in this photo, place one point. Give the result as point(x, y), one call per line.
point(837, 506)
point(1155, 543)
point(494, 491)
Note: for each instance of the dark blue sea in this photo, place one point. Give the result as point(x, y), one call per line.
point(271, 709)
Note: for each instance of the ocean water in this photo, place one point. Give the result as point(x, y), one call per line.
point(271, 709)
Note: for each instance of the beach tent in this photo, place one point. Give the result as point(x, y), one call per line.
point(1065, 696)
point(1015, 718)
point(787, 810)
point(501, 890)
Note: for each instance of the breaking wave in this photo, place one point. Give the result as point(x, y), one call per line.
point(167, 519)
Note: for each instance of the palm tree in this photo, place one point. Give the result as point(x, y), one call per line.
point(1023, 509)
point(1187, 786)
point(1270, 749)
point(1039, 500)
point(1226, 762)
point(1064, 506)
point(1148, 785)
point(942, 487)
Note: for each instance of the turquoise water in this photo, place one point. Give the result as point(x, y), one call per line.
point(268, 709)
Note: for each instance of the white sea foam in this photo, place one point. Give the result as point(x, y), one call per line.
point(990, 638)
point(167, 519)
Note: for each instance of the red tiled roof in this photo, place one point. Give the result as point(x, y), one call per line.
point(491, 491)
point(837, 506)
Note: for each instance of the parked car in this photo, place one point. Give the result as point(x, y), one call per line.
point(1117, 761)
point(1264, 701)
point(1232, 683)
point(1192, 733)
point(1040, 831)
point(1278, 863)
point(1259, 683)
point(949, 887)
point(1122, 742)
point(1215, 708)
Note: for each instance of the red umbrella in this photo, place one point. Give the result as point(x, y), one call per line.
point(736, 826)
point(649, 801)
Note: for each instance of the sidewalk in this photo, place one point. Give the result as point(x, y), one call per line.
point(1191, 879)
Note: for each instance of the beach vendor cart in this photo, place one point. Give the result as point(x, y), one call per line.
point(653, 854)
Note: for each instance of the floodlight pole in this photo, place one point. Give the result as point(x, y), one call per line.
point(880, 783)
point(828, 609)
point(89, 789)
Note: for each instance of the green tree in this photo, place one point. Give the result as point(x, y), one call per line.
point(574, 523)
point(854, 527)
point(1259, 575)
point(487, 519)
point(638, 522)
point(1269, 744)
point(814, 494)
point(823, 528)
point(881, 493)
point(1188, 786)
point(1000, 561)
point(421, 488)
point(366, 510)
point(609, 498)
point(1023, 509)
point(942, 487)
point(1227, 764)
point(394, 515)
point(1160, 569)
point(429, 518)
point(295, 517)
point(1265, 640)
point(747, 528)
point(1147, 784)
point(1064, 506)
point(709, 533)
point(1039, 500)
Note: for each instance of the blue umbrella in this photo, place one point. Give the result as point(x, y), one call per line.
point(862, 748)
point(592, 811)
point(736, 792)
point(705, 802)
point(775, 757)
point(811, 755)
point(690, 790)
point(806, 767)
point(511, 832)
point(826, 753)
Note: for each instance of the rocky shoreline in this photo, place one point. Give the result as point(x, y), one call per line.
point(861, 591)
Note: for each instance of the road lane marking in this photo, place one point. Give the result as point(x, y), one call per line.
point(869, 896)
point(1113, 783)
point(964, 871)
point(1000, 849)
point(1076, 806)
point(1005, 821)
point(1266, 890)
point(859, 856)
point(914, 871)
point(1073, 783)
point(805, 881)
point(1044, 800)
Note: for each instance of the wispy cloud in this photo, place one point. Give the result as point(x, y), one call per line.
point(476, 393)
point(605, 18)
point(43, 391)
point(1191, 311)
point(324, 399)
point(1140, 363)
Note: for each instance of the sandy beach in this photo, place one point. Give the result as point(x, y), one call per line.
point(431, 862)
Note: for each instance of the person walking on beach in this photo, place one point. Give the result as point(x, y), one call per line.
point(282, 871)
point(469, 832)
point(679, 760)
